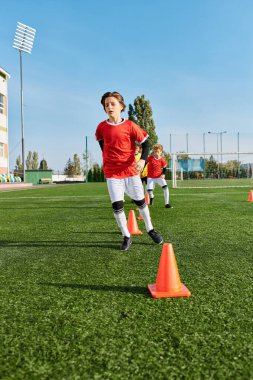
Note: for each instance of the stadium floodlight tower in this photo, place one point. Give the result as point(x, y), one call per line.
point(23, 42)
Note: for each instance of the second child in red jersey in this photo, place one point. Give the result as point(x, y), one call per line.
point(117, 138)
point(156, 174)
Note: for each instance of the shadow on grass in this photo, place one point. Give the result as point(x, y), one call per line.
point(98, 232)
point(104, 288)
point(111, 244)
point(62, 244)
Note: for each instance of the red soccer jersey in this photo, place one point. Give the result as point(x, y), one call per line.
point(119, 147)
point(155, 166)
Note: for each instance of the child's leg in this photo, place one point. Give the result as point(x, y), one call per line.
point(120, 216)
point(134, 189)
point(166, 194)
point(163, 184)
point(150, 188)
point(116, 192)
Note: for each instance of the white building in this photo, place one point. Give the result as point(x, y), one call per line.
point(4, 151)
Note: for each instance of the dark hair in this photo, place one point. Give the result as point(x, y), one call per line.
point(116, 95)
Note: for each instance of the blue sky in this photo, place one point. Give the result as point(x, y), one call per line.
point(193, 59)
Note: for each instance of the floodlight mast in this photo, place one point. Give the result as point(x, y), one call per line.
point(23, 42)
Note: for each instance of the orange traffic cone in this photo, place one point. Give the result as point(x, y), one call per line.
point(168, 283)
point(250, 199)
point(147, 199)
point(132, 224)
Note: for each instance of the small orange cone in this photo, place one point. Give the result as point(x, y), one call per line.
point(168, 283)
point(132, 224)
point(147, 199)
point(250, 199)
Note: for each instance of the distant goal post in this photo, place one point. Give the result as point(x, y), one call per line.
point(218, 169)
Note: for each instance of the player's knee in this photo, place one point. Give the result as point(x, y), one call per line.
point(140, 203)
point(118, 207)
point(164, 187)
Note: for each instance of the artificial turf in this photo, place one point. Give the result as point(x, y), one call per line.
point(75, 307)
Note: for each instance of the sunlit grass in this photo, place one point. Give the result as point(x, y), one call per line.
point(75, 307)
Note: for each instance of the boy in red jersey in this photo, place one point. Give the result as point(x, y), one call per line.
point(156, 174)
point(117, 137)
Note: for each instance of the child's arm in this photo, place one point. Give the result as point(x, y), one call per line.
point(163, 172)
point(144, 155)
point(101, 143)
point(164, 164)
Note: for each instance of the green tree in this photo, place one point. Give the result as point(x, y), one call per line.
point(250, 171)
point(73, 167)
point(19, 165)
point(43, 165)
point(96, 173)
point(90, 176)
point(35, 160)
point(77, 164)
point(183, 156)
point(69, 168)
point(88, 161)
point(141, 114)
point(233, 168)
point(211, 167)
point(29, 161)
point(102, 174)
point(167, 158)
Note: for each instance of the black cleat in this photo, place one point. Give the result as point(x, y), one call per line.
point(156, 237)
point(168, 206)
point(126, 244)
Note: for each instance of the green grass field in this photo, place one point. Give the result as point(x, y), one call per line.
point(75, 307)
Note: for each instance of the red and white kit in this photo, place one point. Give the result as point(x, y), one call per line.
point(155, 166)
point(119, 158)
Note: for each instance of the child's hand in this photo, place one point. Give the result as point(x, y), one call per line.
point(140, 165)
point(163, 176)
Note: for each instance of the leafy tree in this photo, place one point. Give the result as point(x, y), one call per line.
point(77, 164)
point(29, 161)
point(141, 114)
point(88, 161)
point(183, 156)
point(89, 176)
point(250, 171)
point(19, 165)
point(211, 167)
point(35, 160)
point(234, 169)
point(232, 165)
point(69, 168)
point(102, 174)
point(167, 158)
point(96, 173)
point(73, 167)
point(43, 165)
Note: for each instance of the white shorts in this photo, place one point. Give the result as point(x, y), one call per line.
point(132, 186)
point(152, 182)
